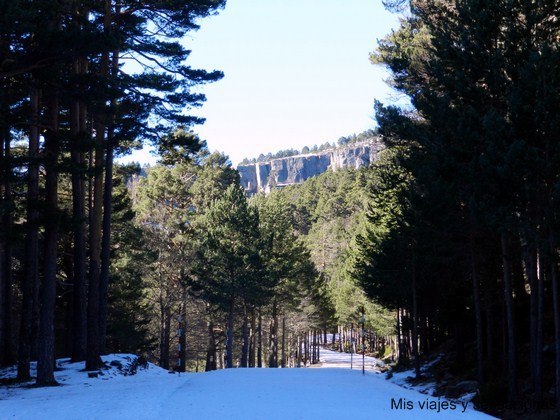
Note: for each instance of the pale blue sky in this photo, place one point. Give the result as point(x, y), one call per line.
point(296, 73)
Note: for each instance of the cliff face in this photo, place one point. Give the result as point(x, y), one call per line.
point(296, 169)
point(355, 157)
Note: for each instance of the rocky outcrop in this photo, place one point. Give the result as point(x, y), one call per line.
point(355, 157)
point(248, 177)
point(296, 169)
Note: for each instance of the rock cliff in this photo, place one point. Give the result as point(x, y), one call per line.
point(280, 172)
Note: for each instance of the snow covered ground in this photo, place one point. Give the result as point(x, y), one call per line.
point(334, 359)
point(326, 393)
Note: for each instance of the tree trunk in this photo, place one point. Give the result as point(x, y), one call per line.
point(415, 320)
point(340, 345)
point(539, 333)
point(283, 354)
point(105, 250)
point(68, 270)
point(245, 344)
point(93, 359)
point(7, 222)
point(530, 257)
point(556, 308)
point(259, 342)
point(306, 353)
point(477, 306)
point(252, 340)
point(165, 341)
point(299, 351)
point(46, 356)
point(3, 244)
point(210, 348)
point(318, 353)
point(512, 377)
point(182, 331)
point(107, 216)
point(30, 285)
point(315, 347)
point(504, 357)
point(273, 357)
point(79, 320)
point(229, 335)
point(399, 337)
point(3, 181)
point(490, 325)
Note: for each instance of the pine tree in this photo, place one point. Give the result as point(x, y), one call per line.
point(475, 74)
point(229, 263)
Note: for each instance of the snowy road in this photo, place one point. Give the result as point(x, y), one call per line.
point(334, 359)
point(328, 393)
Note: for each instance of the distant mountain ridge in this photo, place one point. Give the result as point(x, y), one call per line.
point(280, 172)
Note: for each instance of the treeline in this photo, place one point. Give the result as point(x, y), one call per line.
point(252, 282)
point(227, 280)
point(463, 226)
point(358, 138)
point(329, 212)
point(68, 105)
point(342, 142)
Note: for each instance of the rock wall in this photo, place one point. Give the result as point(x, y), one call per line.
point(296, 169)
point(355, 157)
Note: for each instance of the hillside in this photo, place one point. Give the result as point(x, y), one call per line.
point(262, 176)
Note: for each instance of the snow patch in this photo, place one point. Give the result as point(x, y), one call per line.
point(153, 393)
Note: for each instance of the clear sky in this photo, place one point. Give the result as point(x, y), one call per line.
point(297, 73)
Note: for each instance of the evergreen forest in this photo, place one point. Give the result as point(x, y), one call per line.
point(448, 244)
